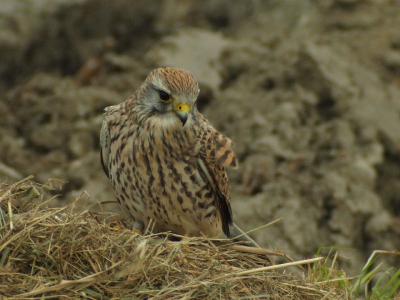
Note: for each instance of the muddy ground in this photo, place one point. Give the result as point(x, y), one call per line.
point(308, 90)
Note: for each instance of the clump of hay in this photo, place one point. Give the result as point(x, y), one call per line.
point(52, 253)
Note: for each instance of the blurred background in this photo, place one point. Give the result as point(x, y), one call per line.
point(308, 90)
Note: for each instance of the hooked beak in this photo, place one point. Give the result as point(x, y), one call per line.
point(182, 110)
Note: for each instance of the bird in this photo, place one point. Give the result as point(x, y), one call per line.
point(166, 162)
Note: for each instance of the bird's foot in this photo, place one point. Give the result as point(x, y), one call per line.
point(138, 228)
point(137, 231)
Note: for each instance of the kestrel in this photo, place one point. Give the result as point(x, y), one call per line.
point(164, 159)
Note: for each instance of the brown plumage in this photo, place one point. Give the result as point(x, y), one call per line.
point(164, 159)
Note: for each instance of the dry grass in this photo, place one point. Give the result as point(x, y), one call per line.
point(52, 253)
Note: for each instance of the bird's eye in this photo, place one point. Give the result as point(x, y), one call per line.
point(165, 97)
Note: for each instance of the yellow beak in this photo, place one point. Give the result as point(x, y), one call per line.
point(182, 110)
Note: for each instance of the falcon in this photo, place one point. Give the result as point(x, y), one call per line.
point(165, 161)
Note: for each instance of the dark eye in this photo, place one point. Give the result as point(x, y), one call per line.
point(164, 96)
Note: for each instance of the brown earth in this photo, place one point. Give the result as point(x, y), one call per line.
point(308, 90)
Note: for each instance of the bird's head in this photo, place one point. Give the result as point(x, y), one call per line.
point(168, 96)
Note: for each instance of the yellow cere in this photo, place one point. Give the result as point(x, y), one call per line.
point(182, 107)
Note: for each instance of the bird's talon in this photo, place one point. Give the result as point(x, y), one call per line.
point(137, 231)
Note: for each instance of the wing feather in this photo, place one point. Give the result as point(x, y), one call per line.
point(104, 146)
point(214, 155)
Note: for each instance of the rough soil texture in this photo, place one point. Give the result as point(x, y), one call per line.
point(308, 90)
